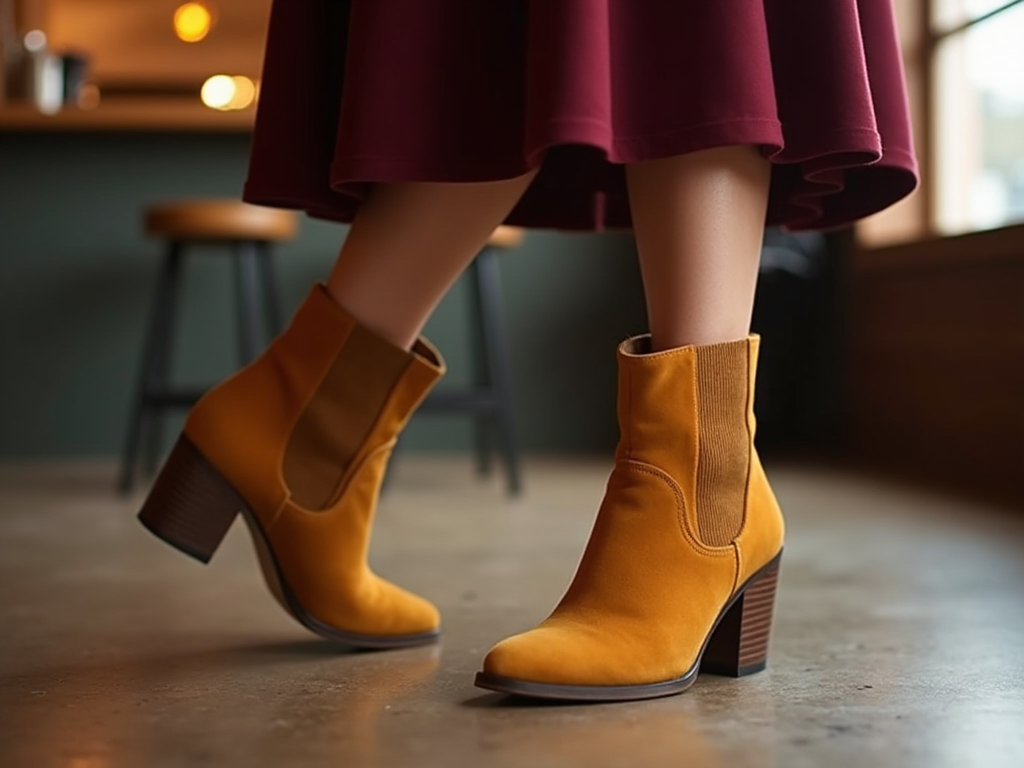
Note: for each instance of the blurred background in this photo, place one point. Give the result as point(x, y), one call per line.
point(898, 346)
point(889, 414)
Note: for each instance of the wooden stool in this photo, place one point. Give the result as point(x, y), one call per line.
point(490, 399)
point(248, 231)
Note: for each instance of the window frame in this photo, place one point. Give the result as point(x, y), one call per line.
point(932, 38)
point(938, 35)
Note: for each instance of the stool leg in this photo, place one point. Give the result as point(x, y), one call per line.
point(487, 284)
point(271, 292)
point(483, 421)
point(155, 368)
point(247, 271)
point(160, 378)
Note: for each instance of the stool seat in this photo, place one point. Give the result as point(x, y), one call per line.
point(200, 220)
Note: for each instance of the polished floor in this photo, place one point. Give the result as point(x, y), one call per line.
point(899, 637)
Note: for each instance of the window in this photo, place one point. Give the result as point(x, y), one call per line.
point(977, 72)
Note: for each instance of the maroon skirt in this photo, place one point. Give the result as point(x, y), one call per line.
point(478, 90)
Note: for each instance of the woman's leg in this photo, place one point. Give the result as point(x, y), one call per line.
point(689, 534)
point(309, 425)
point(699, 220)
point(409, 243)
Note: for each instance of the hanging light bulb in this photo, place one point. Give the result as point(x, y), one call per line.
point(193, 22)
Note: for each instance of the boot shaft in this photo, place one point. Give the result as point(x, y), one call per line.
point(325, 394)
point(689, 412)
point(363, 400)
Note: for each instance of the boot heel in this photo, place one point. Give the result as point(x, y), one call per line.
point(739, 644)
point(191, 507)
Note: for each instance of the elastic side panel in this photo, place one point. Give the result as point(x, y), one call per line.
point(723, 441)
point(335, 424)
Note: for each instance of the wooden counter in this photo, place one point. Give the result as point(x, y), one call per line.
point(134, 115)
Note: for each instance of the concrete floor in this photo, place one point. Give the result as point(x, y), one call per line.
point(899, 637)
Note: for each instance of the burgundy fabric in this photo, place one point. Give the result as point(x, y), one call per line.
point(476, 90)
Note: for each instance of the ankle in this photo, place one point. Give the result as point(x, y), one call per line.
point(391, 326)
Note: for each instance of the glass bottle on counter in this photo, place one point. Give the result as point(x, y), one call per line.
point(45, 72)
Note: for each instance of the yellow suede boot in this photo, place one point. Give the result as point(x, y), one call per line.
point(683, 560)
point(298, 442)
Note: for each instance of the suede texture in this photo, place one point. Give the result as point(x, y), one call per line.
point(246, 426)
point(648, 591)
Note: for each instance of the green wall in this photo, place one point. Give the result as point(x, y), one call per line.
point(76, 275)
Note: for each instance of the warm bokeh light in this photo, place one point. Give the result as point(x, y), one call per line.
point(226, 92)
point(35, 40)
point(245, 92)
point(192, 22)
point(218, 91)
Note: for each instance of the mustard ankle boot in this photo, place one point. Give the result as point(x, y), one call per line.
point(681, 567)
point(297, 442)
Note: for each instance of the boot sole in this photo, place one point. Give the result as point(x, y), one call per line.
point(191, 507)
point(736, 646)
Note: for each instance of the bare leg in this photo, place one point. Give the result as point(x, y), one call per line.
point(409, 243)
point(699, 220)
point(686, 434)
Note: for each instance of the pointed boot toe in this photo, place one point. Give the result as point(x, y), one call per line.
point(566, 662)
point(383, 609)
